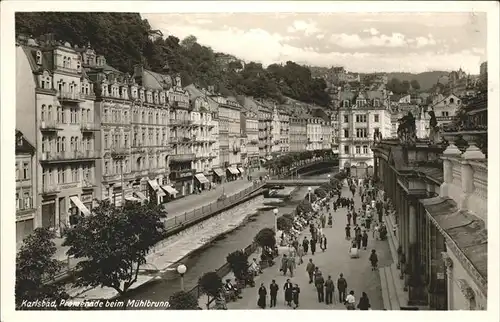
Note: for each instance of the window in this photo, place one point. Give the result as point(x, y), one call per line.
point(63, 144)
point(17, 171)
point(376, 118)
point(27, 200)
point(346, 118)
point(346, 133)
point(445, 113)
point(358, 149)
point(106, 142)
point(38, 57)
point(360, 118)
point(451, 100)
point(365, 149)
point(18, 202)
point(346, 149)
point(125, 141)
point(361, 133)
point(106, 167)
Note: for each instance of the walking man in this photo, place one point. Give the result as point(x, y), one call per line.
point(273, 290)
point(320, 283)
point(329, 288)
point(313, 246)
point(310, 270)
point(305, 244)
point(341, 286)
point(349, 217)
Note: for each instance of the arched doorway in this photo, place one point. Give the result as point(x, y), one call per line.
point(362, 169)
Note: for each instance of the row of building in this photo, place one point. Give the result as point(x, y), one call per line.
point(87, 131)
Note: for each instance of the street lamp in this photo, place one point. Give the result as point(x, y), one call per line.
point(309, 194)
point(181, 269)
point(329, 177)
point(275, 211)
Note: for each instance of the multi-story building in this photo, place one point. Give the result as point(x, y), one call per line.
point(27, 218)
point(326, 137)
point(250, 115)
point(265, 122)
point(275, 131)
point(229, 135)
point(284, 117)
point(335, 131)
point(298, 134)
point(61, 126)
point(203, 136)
point(151, 155)
point(314, 133)
point(359, 117)
point(445, 107)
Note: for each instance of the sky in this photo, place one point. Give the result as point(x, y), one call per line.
point(377, 42)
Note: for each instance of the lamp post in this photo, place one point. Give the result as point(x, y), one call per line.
point(181, 269)
point(275, 211)
point(329, 177)
point(309, 194)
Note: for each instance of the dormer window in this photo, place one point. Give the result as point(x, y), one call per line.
point(376, 103)
point(38, 57)
point(451, 100)
point(346, 103)
point(134, 92)
point(141, 95)
point(78, 66)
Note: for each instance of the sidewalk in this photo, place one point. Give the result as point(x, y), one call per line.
point(333, 261)
point(174, 208)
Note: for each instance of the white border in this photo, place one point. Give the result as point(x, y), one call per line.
point(7, 116)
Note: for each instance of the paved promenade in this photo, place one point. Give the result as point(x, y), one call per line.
point(333, 261)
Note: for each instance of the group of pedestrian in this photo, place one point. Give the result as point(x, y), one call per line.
point(291, 291)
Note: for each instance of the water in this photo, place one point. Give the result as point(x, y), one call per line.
point(212, 256)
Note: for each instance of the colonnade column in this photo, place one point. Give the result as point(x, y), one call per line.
point(448, 262)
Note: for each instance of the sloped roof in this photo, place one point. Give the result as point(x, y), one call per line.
point(156, 81)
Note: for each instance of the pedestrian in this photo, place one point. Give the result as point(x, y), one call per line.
point(374, 260)
point(310, 268)
point(288, 287)
point(354, 217)
point(341, 286)
point(323, 221)
point(319, 281)
point(375, 231)
point(262, 296)
point(330, 221)
point(329, 289)
point(300, 253)
point(364, 302)
point(350, 301)
point(358, 241)
point(349, 218)
point(284, 264)
point(364, 240)
point(347, 232)
point(295, 295)
point(313, 245)
point(323, 242)
point(273, 291)
point(291, 265)
point(305, 244)
point(295, 244)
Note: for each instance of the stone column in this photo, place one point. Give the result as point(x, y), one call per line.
point(448, 262)
point(467, 186)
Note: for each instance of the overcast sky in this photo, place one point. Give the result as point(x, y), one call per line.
point(361, 42)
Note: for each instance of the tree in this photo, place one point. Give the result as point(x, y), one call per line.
point(320, 192)
point(284, 223)
point(312, 197)
point(304, 207)
point(113, 243)
point(266, 237)
point(183, 301)
point(415, 84)
point(405, 86)
point(210, 283)
point(239, 263)
point(189, 42)
point(35, 267)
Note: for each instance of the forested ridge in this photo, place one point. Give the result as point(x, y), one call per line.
point(125, 40)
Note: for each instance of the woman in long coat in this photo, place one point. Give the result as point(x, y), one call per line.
point(295, 295)
point(288, 292)
point(262, 296)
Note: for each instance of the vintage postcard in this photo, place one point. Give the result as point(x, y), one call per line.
point(248, 156)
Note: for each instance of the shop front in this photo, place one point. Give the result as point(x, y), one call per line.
point(49, 213)
point(219, 176)
point(241, 171)
point(77, 210)
point(232, 173)
point(155, 192)
point(183, 182)
point(170, 193)
point(202, 182)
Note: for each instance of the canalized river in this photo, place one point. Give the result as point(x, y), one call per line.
point(212, 256)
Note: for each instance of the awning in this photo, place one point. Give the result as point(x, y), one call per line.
point(201, 178)
point(154, 184)
point(132, 198)
point(170, 190)
point(79, 204)
point(233, 170)
point(160, 193)
point(140, 195)
point(218, 172)
point(241, 170)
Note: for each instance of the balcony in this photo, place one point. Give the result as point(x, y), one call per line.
point(119, 153)
point(180, 104)
point(140, 173)
point(87, 185)
point(68, 156)
point(89, 127)
point(212, 155)
point(361, 139)
point(254, 142)
point(70, 97)
point(444, 118)
point(182, 157)
point(174, 140)
point(50, 189)
point(49, 126)
point(173, 122)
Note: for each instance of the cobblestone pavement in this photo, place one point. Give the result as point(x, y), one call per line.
point(335, 260)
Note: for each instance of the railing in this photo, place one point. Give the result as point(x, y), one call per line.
point(70, 96)
point(68, 155)
point(49, 126)
point(182, 157)
point(221, 272)
point(50, 188)
point(444, 118)
point(86, 127)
